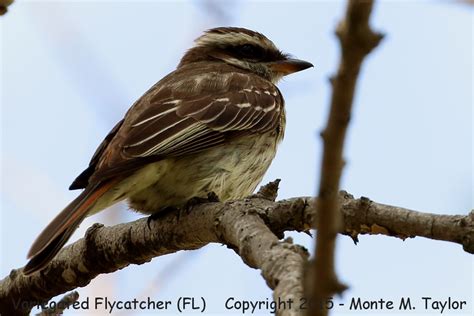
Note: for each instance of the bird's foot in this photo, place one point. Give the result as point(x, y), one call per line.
point(211, 197)
point(162, 212)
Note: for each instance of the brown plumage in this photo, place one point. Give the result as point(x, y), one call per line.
point(211, 125)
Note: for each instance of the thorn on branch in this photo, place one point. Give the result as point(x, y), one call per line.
point(346, 195)
point(90, 238)
point(364, 203)
point(355, 238)
point(332, 80)
point(91, 231)
point(354, 33)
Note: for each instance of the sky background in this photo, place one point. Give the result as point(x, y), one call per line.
point(70, 70)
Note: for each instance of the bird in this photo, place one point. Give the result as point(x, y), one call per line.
point(210, 126)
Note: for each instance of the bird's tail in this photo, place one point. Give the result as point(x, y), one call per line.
point(58, 232)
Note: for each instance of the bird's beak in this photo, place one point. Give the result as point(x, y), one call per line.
point(289, 66)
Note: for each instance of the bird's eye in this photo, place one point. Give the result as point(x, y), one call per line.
point(247, 50)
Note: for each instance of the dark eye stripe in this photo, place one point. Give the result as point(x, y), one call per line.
point(254, 52)
point(248, 51)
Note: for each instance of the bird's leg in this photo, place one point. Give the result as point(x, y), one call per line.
point(211, 197)
point(160, 213)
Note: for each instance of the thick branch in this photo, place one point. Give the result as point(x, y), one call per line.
point(356, 40)
point(107, 249)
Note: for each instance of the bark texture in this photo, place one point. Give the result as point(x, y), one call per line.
point(356, 40)
point(252, 227)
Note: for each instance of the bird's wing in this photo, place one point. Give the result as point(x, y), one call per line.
point(185, 124)
point(177, 118)
point(82, 180)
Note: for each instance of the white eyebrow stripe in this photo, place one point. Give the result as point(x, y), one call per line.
point(154, 117)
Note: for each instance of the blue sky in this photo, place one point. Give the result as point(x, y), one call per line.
point(71, 69)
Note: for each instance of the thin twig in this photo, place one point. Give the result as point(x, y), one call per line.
point(356, 40)
point(59, 307)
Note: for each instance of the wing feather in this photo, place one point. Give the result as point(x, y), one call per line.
point(187, 113)
point(181, 122)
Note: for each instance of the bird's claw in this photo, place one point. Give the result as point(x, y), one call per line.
point(211, 197)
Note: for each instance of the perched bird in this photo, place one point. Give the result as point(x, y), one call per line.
point(212, 125)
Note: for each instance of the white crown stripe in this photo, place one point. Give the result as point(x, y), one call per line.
point(233, 38)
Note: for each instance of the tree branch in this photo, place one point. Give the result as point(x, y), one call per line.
point(356, 40)
point(235, 224)
point(61, 305)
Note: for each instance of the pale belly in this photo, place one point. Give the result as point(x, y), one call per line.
point(232, 171)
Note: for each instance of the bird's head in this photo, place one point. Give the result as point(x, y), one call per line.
point(244, 49)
